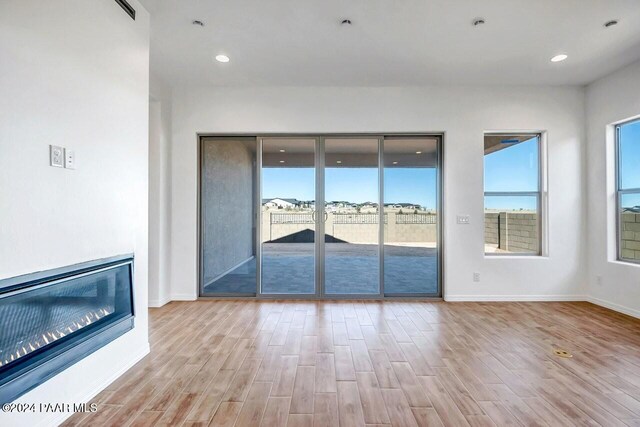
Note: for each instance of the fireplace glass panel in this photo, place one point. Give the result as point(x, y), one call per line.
point(39, 317)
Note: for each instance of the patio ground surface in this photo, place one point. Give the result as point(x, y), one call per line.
point(289, 268)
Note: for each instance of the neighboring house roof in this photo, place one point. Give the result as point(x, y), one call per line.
point(401, 204)
point(292, 201)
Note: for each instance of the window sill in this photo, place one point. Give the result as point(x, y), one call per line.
point(625, 263)
point(492, 256)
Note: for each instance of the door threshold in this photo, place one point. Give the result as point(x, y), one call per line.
point(318, 299)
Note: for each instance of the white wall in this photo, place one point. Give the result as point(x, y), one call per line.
point(609, 100)
point(74, 73)
point(464, 113)
point(159, 192)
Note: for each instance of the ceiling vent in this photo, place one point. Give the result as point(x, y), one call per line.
point(127, 8)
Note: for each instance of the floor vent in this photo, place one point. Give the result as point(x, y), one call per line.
point(562, 353)
point(127, 8)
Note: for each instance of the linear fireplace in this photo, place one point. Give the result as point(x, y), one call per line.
point(50, 320)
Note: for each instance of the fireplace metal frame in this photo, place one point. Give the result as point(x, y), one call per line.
point(41, 367)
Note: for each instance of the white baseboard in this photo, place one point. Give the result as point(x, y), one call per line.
point(59, 418)
point(513, 298)
point(471, 298)
point(549, 298)
point(184, 297)
point(156, 303)
point(615, 307)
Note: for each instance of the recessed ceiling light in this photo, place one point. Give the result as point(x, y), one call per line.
point(222, 58)
point(282, 151)
point(395, 163)
point(198, 23)
point(418, 152)
point(338, 161)
point(559, 58)
point(281, 161)
point(611, 23)
point(478, 21)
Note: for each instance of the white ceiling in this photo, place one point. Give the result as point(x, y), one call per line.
point(391, 43)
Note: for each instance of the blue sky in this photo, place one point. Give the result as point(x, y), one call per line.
point(511, 169)
point(289, 183)
point(630, 155)
point(630, 162)
point(514, 168)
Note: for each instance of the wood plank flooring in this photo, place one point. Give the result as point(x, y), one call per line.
point(394, 363)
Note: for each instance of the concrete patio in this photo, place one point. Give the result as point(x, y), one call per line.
point(289, 268)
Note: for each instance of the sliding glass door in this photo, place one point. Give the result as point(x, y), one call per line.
point(288, 211)
point(351, 210)
point(313, 216)
point(228, 196)
point(411, 209)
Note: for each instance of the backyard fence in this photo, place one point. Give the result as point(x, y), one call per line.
point(292, 218)
point(630, 228)
point(347, 218)
point(349, 227)
point(339, 218)
point(512, 231)
point(415, 218)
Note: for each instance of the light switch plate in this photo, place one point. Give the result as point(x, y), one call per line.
point(69, 159)
point(56, 156)
point(463, 219)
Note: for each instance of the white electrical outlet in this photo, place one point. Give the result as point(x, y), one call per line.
point(56, 156)
point(462, 219)
point(476, 277)
point(69, 159)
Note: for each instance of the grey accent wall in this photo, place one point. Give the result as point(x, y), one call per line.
point(227, 206)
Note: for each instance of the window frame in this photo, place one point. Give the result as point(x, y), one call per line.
point(540, 194)
point(619, 192)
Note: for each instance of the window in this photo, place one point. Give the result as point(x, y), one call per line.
point(512, 194)
point(628, 190)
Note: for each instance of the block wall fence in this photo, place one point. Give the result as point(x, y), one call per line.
point(630, 228)
point(507, 231)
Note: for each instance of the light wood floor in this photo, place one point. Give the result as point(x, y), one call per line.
point(251, 363)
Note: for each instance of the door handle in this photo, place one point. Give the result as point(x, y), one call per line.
point(313, 216)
